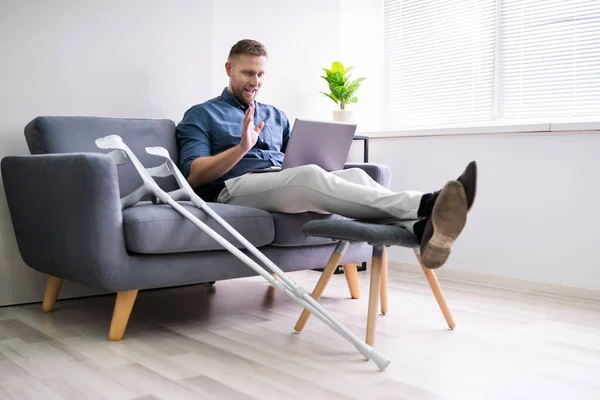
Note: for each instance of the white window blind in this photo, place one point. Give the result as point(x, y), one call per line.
point(550, 58)
point(439, 61)
point(474, 61)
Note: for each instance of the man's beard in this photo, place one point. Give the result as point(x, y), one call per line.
point(241, 94)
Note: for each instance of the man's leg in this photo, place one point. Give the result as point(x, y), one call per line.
point(359, 176)
point(440, 216)
point(351, 193)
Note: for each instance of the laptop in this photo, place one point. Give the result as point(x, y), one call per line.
point(322, 143)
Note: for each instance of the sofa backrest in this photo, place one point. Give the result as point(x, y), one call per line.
point(74, 134)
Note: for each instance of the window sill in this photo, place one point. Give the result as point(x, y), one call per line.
point(487, 128)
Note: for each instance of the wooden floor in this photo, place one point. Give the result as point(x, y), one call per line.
point(236, 341)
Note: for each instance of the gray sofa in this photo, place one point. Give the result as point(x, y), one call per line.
point(64, 202)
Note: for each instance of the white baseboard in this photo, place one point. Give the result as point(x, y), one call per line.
point(525, 285)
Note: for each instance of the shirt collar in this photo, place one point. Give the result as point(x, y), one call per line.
point(230, 98)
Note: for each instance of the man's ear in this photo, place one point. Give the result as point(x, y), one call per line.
point(228, 68)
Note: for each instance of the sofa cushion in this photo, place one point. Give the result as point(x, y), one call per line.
point(159, 229)
point(288, 229)
point(76, 134)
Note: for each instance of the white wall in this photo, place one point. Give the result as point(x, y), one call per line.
point(109, 58)
point(536, 214)
point(361, 42)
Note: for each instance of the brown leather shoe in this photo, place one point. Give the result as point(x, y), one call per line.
point(447, 221)
point(469, 181)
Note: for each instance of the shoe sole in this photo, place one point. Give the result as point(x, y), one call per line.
point(449, 217)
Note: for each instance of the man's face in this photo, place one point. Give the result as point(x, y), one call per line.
point(246, 76)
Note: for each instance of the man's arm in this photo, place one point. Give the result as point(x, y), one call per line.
point(206, 169)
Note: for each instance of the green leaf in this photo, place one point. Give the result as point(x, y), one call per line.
point(337, 66)
point(344, 94)
point(338, 78)
point(347, 73)
point(336, 91)
point(331, 96)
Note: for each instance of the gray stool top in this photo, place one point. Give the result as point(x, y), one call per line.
point(357, 231)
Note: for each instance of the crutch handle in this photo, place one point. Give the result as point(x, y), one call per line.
point(158, 151)
point(110, 142)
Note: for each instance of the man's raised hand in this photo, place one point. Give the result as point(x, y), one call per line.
point(249, 131)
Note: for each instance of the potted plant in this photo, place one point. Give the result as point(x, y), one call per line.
point(342, 90)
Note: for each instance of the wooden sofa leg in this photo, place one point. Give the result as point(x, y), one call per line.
point(439, 295)
point(351, 274)
point(53, 285)
point(121, 313)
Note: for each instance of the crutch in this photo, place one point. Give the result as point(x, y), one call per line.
point(121, 154)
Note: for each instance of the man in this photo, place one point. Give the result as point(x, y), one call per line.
point(224, 138)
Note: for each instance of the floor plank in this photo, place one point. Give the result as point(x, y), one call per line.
point(236, 341)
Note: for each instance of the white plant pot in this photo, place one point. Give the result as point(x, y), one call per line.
point(343, 116)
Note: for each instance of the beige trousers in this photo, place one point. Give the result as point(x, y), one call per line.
point(351, 193)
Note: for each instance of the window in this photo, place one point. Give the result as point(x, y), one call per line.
point(477, 61)
point(550, 58)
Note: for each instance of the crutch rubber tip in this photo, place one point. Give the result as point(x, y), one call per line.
point(380, 361)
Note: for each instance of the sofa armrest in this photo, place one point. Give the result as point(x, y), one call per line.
point(66, 214)
point(380, 173)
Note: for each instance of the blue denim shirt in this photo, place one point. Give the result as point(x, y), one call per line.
point(216, 125)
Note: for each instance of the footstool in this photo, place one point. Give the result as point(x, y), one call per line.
point(380, 236)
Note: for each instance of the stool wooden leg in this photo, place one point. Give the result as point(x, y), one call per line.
point(351, 274)
point(439, 295)
point(374, 288)
point(323, 281)
point(384, 282)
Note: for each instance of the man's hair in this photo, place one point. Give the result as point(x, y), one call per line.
point(249, 47)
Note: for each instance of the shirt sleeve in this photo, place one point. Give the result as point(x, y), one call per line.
point(286, 132)
point(193, 138)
